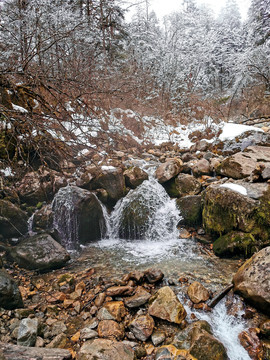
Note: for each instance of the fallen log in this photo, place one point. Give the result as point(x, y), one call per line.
point(220, 296)
point(12, 352)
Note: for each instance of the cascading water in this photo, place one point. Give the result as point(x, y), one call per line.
point(226, 327)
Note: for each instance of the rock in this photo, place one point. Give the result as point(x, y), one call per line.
point(13, 221)
point(202, 167)
point(59, 341)
point(39, 186)
point(265, 329)
point(242, 164)
point(101, 349)
point(158, 337)
point(142, 327)
point(12, 352)
point(235, 243)
point(197, 292)
point(104, 314)
point(43, 219)
point(252, 280)
point(10, 296)
point(225, 210)
point(110, 329)
point(168, 170)
point(153, 275)
point(108, 178)
point(190, 209)
point(165, 305)
point(86, 333)
point(27, 332)
point(116, 309)
point(78, 217)
point(206, 347)
point(140, 297)
point(182, 185)
point(170, 352)
point(40, 252)
point(134, 176)
point(119, 290)
point(251, 342)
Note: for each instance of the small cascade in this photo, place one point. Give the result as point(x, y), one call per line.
point(226, 328)
point(30, 222)
point(65, 219)
point(146, 213)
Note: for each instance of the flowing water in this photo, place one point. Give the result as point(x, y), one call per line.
point(155, 242)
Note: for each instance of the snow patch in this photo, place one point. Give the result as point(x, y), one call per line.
point(7, 171)
point(108, 168)
point(238, 188)
point(19, 108)
point(231, 130)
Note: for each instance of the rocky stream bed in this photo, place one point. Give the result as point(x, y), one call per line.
point(123, 257)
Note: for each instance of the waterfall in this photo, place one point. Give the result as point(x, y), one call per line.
point(146, 213)
point(65, 218)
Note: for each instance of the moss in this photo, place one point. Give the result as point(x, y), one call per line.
point(171, 188)
point(235, 243)
point(39, 205)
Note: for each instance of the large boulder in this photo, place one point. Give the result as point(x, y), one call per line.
point(165, 305)
point(78, 217)
point(243, 208)
point(38, 186)
point(104, 349)
point(10, 296)
point(201, 167)
point(40, 252)
point(183, 185)
point(243, 164)
point(252, 280)
point(190, 209)
point(13, 221)
point(134, 176)
point(168, 170)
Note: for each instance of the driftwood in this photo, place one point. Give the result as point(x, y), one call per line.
point(256, 120)
point(220, 296)
point(12, 352)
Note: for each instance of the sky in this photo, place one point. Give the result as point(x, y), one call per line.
point(164, 7)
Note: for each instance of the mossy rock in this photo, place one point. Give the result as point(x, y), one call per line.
point(13, 221)
point(190, 209)
point(235, 243)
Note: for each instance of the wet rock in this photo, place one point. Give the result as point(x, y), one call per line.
point(110, 329)
point(168, 170)
point(235, 243)
point(165, 305)
point(242, 164)
point(134, 275)
point(191, 210)
point(40, 252)
point(27, 332)
point(101, 349)
point(10, 296)
point(142, 327)
point(84, 213)
point(197, 292)
point(202, 167)
point(116, 309)
point(265, 329)
point(39, 186)
point(119, 290)
point(134, 176)
point(13, 221)
point(158, 337)
point(251, 342)
point(140, 297)
point(252, 280)
point(206, 347)
point(153, 275)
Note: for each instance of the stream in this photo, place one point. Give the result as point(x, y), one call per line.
point(155, 243)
